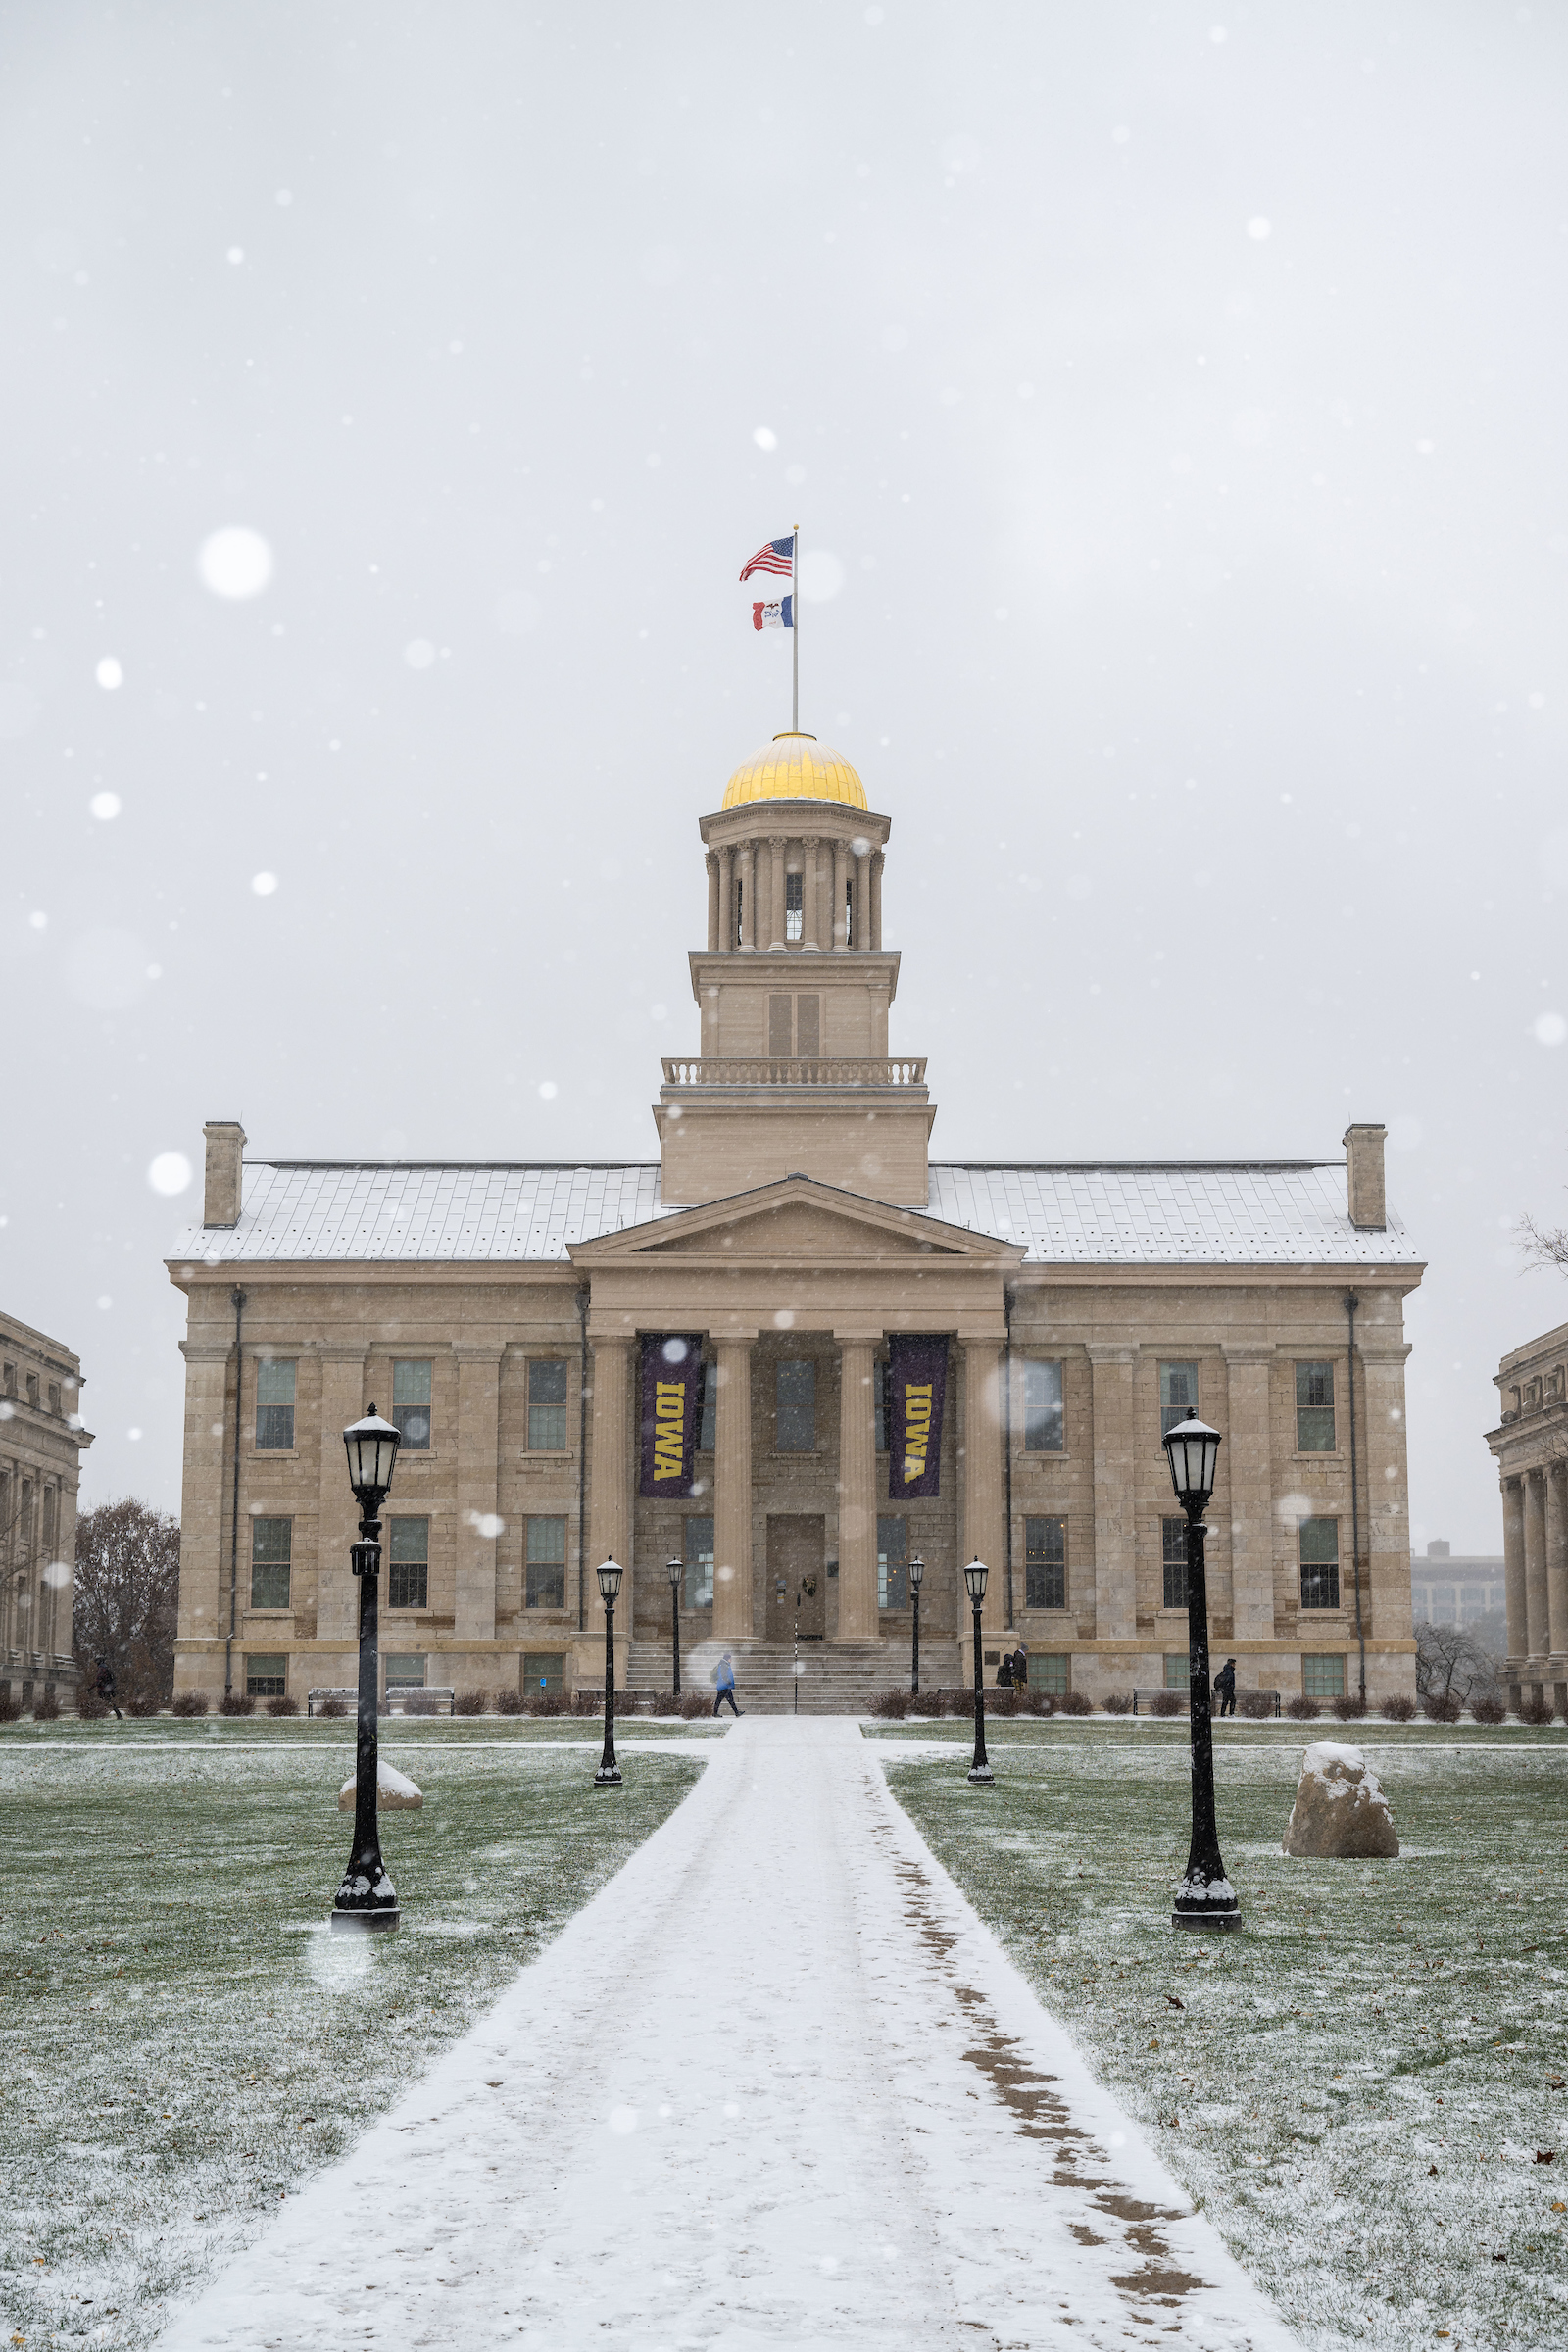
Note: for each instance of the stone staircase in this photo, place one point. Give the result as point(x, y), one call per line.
point(835, 1677)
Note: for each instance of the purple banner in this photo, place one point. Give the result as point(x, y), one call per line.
point(918, 1386)
point(672, 1403)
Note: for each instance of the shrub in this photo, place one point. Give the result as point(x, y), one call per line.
point(509, 1703)
point(334, 1706)
point(1076, 1702)
point(1118, 1703)
point(1256, 1705)
point(1303, 1709)
point(1399, 1710)
point(1036, 1702)
point(189, 1702)
point(46, 1707)
point(10, 1709)
point(141, 1704)
point(1444, 1707)
point(1536, 1710)
point(419, 1703)
point(581, 1703)
point(891, 1705)
point(1489, 1710)
point(1001, 1702)
point(471, 1702)
point(236, 1702)
point(282, 1707)
point(1165, 1702)
point(1349, 1707)
point(552, 1702)
point(693, 1704)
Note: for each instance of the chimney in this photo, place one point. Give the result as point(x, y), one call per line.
point(1363, 1147)
point(225, 1141)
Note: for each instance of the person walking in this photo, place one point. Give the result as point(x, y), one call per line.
point(724, 1677)
point(105, 1687)
point(1225, 1688)
point(1004, 1672)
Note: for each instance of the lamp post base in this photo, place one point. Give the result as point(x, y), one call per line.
point(608, 1777)
point(364, 1923)
point(982, 1776)
point(1208, 1918)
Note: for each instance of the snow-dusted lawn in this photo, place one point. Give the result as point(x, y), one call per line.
point(180, 2043)
point(1374, 2020)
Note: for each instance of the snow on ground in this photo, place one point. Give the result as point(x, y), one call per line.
point(776, 2084)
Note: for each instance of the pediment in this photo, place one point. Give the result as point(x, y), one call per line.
point(797, 1221)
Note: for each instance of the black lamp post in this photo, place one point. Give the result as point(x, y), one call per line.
point(674, 1569)
point(609, 1774)
point(916, 1577)
point(974, 1576)
point(1205, 1897)
point(368, 1898)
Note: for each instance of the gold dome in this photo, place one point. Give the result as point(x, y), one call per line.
point(796, 768)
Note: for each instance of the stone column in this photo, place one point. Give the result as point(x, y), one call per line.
point(776, 845)
point(1385, 1524)
point(204, 1518)
point(713, 902)
point(745, 864)
point(1537, 1611)
point(732, 1492)
point(477, 1490)
point(1251, 1482)
point(609, 1497)
point(1557, 1558)
point(811, 894)
point(1513, 1567)
point(66, 1552)
point(858, 1608)
point(337, 1514)
point(985, 1526)
point(875, 940)
point(726, 900)
point(863, 900)
point(1115, 1571)
point(841, 884)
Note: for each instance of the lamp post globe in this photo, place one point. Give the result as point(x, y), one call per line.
point(916, 1579)
point(608, 1573)
point(1205, 1897)
point(367, 1901)
point(674, 1569)
point(975, 1578)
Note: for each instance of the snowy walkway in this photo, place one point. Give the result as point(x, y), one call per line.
point(776, 2086)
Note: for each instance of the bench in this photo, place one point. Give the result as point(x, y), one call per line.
point(405, 1690)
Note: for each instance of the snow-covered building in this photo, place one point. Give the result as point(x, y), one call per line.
point(1531, 1447)
point(41, 1445)
point(790, 1353)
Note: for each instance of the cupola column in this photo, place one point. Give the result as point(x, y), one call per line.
point(713, 917)
point(726, 900)
point(863, 899)
point(777, 845)
point(877, 900)
point(810, 892)
point(841, 887)
point(745, 866)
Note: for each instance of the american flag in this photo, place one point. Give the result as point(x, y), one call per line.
point(776, 555)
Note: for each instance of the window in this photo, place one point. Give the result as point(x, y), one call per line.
point(1178, 1670)
point(794, 1027)
point(275, 1406)
point(1041, 1407)
point(411, 1404)
point(1320, 1563)
point(794, 905)
point(1322, 1678)
point(541, 1673)
point(707, 1427)
point(546, 1563)
point(1173, 1553)
point(879, 1403)
point(404, 1671)
point(271, 1551)
point(51, 1499)
point(54, 1395)
point(32, 1390)
point(1045, 1564)
point(1315, 1408)
point(891, 1564)
point(698, 1551)
point(795, 1392)
point(1178, 1394)
point(546, 1404)
point(265, 1678)
point(11, 1379)
point(408, 1570)
point(1051, 1675)
point(807, 1027)
point(780, 1028)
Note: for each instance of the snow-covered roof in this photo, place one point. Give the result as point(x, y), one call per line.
point(1274, 1212)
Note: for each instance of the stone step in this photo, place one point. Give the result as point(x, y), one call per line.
point(826, 1678)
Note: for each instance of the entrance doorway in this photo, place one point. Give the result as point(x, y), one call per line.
point(797, 1585)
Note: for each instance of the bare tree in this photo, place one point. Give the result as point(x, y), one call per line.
point(1543, 1245)
point(127, 1597)
point(1449, 1664)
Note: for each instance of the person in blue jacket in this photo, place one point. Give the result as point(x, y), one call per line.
point(724, 1677)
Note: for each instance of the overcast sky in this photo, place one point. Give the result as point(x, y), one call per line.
point(1171, 398)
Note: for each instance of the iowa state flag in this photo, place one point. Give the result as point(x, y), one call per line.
point(779, 616)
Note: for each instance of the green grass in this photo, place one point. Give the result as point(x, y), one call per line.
point(181, 2043)
point(1356, 2084)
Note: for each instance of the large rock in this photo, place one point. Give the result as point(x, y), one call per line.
point(1339, 1809)
point(394, 1792)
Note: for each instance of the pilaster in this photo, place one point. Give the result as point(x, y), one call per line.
point(1537, 1603)
point(1386, 1526)
point(1115, 1574)
point(858, 1602)
point(1252, 1487)
point(477, 1488)
point(732, 1492)
point(337, 1516)
point(985, 1533)
point(609, 1501)
point(203, 1520)
point(1513, 1567)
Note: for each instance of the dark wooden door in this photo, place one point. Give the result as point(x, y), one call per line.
point(797, 1587)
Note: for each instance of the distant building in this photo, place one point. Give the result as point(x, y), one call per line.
point(1531, 1443)
point(41, 1444)
point(1448, 1589)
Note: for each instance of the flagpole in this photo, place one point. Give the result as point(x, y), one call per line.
point(795, 616)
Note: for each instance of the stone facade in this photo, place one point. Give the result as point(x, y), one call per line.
point(41, 1445)
point(795, 1221)
point(1531, 1446)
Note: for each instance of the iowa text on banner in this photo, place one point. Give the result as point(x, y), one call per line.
point(918, 1386)
point(672, 1401)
